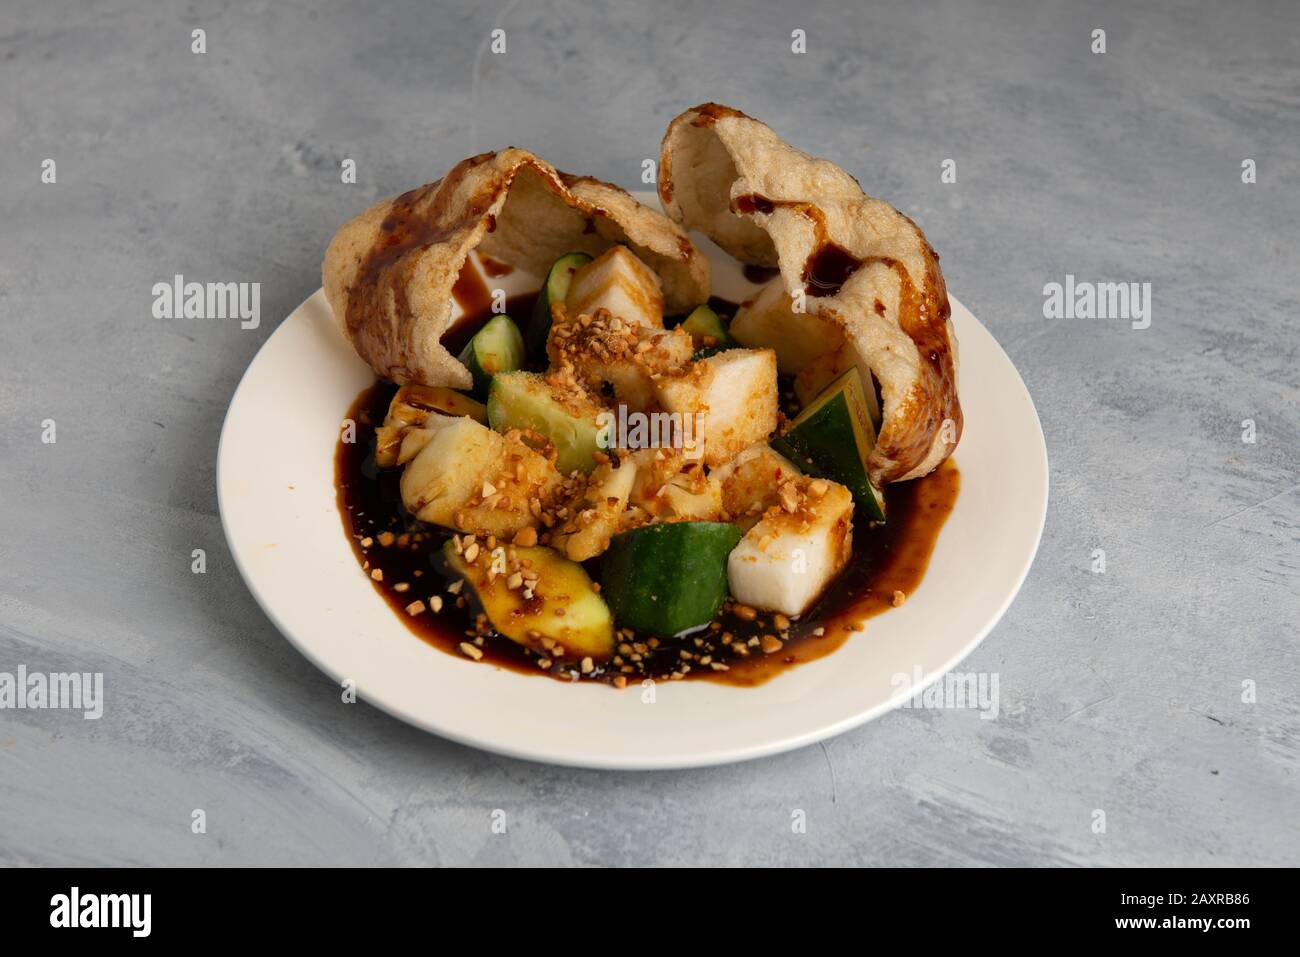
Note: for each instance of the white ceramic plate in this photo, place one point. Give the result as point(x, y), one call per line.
point(275, 482)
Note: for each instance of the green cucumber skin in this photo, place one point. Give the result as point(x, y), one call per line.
point(576, 441)
point(665, 579)
point(497, 326)
point(556, 287)
point(703, 321)
point(834, 455)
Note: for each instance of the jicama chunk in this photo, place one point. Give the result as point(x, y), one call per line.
point(786, 561)
point(769, 321)
point(736, 391)
point(616, 280)
point(596, 515)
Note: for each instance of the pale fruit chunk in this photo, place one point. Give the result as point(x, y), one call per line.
point(470, 478)
point(736, 392)
point(672, 487)
point(749, 483)
point(418, 407)
point(597, 514)
point(770, 322)
point(616, 280)
point(413, 440)
point(691, 497)
point(785, 562)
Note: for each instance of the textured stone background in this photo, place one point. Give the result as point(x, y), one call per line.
point(1120, 691)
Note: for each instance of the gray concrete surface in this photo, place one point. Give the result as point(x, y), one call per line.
point(1121, 692)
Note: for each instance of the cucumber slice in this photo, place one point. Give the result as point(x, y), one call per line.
point(669, 578)
point(524, 400)
point(833, 438)
point(707, 331)
point(563, 607)
point(553, 290)
point(497, 347)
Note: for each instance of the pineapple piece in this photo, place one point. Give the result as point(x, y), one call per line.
point(601, 349)
point(413, 440)
point(417, 407)
point(769, 321)
point(749, 483)
point(689, 496)
point(736, 391)
point(411, 404)
point(596, 513)
point(469, 478)
point(672, 487)
point(785, 562)
point(616, 280)
point(388, 445)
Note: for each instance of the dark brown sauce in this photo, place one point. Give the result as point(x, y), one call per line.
point(706, 114)
point(753, 203)
point(518, 308)
point(470, 291)
point(495, 268)
point(887, 558)
point(725, 308)
point(830, 265)
point(828, 269)
point(761, 275)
